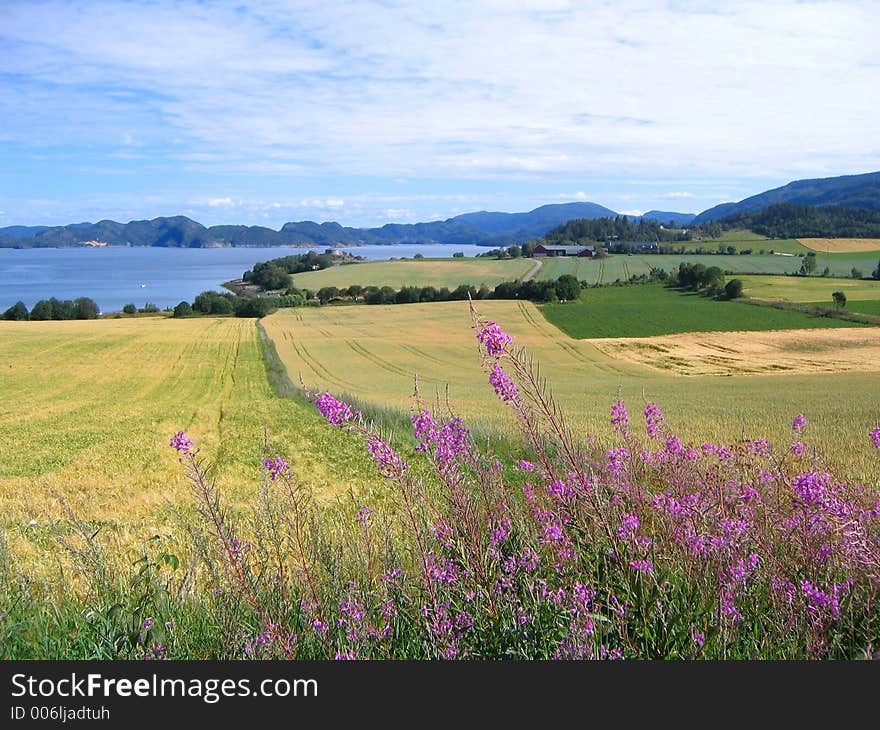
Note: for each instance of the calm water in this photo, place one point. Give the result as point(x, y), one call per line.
point(114, 276)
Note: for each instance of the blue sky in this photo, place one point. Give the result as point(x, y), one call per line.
point(368, 112)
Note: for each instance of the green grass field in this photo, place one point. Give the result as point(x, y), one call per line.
point(808, 288)
point(418, 272)
point(742, 239)
point(621, 266)
point(87, 408)
point(652, 309)
point(868, 306)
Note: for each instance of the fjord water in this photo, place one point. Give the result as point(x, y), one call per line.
point(116, 275)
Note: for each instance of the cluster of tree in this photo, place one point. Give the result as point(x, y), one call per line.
point(787, 220)
point(46, 309)
point(274, 275)
point(224, 303)
point(148, 308)
point(565, 288)
point(607, 230)
point(707, 280)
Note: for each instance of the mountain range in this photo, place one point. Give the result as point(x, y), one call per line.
point(483, 227)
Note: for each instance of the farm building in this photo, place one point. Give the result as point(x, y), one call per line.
point(550, 249)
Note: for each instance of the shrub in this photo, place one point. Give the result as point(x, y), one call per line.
point(259, 307)
point(129, 309)
point(733, 289)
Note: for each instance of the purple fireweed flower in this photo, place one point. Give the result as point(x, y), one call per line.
point(335, 411)
point(673, 445)
point(363, 514)
point(761, 447)
point(698, 638)
point(629, 525)
point(642, 566)
point(423, 428)
point(875, 437)
point(319, 626)
point(182, 443)
point(494, 338)
point(148, 623)
point(653, 420)
point(559, 489)
point(798, 449)
point(389, 462)
point(819, 600)
point(799, 423)
point(811, 487)
point(524, 465)
point(617, 459)
point(276, 467)
point(619, 416)
point(504, 387)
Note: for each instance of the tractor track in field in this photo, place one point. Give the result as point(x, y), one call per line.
point(320, 370)
point(384, 364)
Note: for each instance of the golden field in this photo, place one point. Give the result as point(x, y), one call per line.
point(374, 352)
point(841, 245)
point(87, 409)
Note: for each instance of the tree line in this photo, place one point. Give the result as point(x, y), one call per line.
point(53, 309)
point(565, 288)
point(788, 220)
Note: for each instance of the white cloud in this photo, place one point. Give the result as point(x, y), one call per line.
point(221, 202)
point(550, 91)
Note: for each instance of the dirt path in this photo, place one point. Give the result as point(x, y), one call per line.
point(534, 271)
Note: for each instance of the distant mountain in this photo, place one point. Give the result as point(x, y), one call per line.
point(21, 232)
point(534, 223)
point(480, 228)
point(677, 219)
point(848, 191)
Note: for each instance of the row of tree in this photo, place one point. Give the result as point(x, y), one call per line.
point(564, 288)
point(57, 309)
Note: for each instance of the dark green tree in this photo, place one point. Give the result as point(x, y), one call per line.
point(183, 309)
point(733, 289)
point(839, 299)
point(43, 310)
point(129, 309)
point(86, 308)
point(18, 312)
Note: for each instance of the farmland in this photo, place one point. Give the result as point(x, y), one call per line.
point(745, 240)
point(374, 353)
point(643, 311)
point(622, 267)
point(842, 245)
point(808, 289)
point(417, 272)
point(86, 410)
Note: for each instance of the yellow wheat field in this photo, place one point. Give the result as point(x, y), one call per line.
point(374, 352)
point(841, 245)
point(87, 408)
point(751, 353)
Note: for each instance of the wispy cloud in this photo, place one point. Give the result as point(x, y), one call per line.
point(547, 92)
